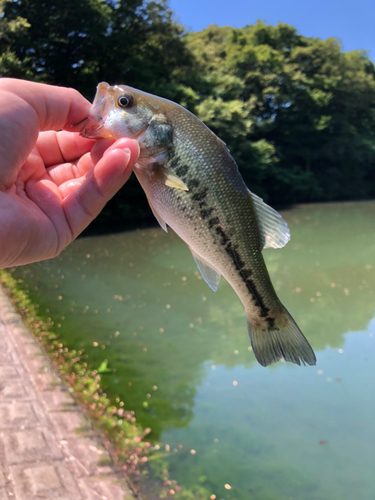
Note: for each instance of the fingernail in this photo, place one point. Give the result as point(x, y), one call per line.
point(127, 151)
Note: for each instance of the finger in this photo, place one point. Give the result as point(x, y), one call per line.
point(106, 178)
point(25, 109)
point(65, 172)
point(55, 107)
point(100, 147)
point(62, 147)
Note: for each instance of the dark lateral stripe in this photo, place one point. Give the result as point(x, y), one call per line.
point(212, 222)
point(181, 171)
point(206, 212)
point(245, 275)
point(200, 195)
point(194, 183)
point(232, 252)
point(250, 285)
point(271, 323)
point(224, 237)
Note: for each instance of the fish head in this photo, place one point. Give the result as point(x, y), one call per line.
point(118, 111)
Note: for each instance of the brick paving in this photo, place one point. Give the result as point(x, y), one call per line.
point(48, 448)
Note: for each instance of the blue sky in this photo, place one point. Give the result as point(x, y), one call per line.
point(353, 21)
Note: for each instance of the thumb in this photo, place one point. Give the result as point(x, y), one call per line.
point(107, 177)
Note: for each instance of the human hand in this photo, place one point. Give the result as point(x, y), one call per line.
point(52, 184)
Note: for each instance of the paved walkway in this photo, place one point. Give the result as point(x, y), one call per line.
point(48, 449)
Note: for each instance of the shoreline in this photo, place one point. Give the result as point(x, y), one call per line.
point(117, 430)
point(49, 448)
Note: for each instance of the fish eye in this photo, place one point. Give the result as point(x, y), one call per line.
point(125, 101)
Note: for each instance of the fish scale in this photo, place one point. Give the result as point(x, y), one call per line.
point(210, 214)
point(193, 185)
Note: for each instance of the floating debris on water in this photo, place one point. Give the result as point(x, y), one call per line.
point(227, 486)
point(235, 383)
point(193, 452)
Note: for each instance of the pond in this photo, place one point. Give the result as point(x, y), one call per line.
point(183, 363)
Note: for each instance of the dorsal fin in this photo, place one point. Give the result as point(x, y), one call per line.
point(273, 229)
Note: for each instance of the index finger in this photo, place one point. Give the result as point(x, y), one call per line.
point(61, 147)
point(56, 107)
point(25, 109)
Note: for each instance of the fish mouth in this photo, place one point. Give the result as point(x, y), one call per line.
point(94, 128)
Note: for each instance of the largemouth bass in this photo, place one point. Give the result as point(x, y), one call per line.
point(193, 185)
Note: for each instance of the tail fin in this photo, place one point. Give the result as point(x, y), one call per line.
point(287, 342)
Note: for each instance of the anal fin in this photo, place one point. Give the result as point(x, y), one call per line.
point(158, 217)
point(209, 274)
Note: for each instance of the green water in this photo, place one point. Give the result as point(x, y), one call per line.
point(182, 359)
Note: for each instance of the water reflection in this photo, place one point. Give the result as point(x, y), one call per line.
point(181, 353)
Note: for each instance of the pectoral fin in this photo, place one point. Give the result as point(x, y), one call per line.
point(273, 229)
point(170, 179)
point(209, 274)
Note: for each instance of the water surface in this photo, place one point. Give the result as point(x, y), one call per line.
point(182, 359)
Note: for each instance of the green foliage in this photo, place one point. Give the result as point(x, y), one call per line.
point(297, 113)
point(10, 65)
point(311, 104)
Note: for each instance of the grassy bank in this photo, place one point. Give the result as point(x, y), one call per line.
point(127, 441)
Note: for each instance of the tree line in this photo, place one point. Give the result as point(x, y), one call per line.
point(297, 113)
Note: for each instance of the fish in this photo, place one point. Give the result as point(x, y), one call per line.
point(193, 185)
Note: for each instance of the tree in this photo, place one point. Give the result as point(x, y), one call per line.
point(296, 112)
point(10, 65)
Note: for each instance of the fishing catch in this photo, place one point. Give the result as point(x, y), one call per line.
point(193, 185)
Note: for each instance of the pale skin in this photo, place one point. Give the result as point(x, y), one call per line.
point(53, 182)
